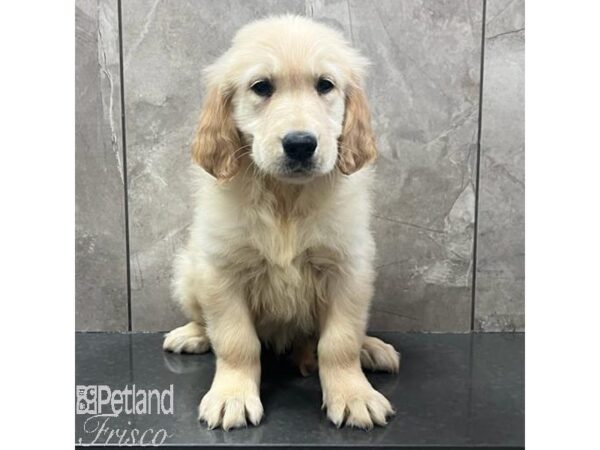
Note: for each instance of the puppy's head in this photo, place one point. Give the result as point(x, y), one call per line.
point(288, 94)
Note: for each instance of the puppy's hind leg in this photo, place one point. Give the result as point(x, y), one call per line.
point(375, 355)
point(190, 338)
point(378, 356)
point(304, 355)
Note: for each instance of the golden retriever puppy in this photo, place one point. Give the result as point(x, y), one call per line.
point(281, 250)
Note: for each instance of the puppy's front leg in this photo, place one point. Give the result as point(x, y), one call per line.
point(234, 394)
point(347, 394)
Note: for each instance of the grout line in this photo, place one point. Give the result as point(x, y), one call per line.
point(477, 169)
point(125, 182)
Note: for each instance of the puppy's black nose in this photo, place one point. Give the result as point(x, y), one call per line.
point(299, 145)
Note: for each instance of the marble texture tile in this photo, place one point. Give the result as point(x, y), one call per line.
point(424, 88)
point(101, 275)
point(166, 44)
point(499, 299)
point(424, 92)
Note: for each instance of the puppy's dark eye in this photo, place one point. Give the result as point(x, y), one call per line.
point(324, 86)
point(262, 88)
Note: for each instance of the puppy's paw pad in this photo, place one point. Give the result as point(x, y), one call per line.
point(377, 355)
point(187, 339)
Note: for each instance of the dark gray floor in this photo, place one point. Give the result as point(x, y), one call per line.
point(453, 391)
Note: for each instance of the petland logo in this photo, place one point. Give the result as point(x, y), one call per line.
point(104, 404)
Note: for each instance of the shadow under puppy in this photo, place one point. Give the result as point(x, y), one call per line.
point(280, 250)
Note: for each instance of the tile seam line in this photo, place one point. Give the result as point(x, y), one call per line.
point(125, 179)
point(478, 169)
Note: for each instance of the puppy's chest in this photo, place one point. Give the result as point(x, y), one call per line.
point(285, 276)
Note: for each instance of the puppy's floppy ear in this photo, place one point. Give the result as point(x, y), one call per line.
point(217, 138)
point(357, 145)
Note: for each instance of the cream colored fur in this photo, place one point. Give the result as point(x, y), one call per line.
point(286, 261)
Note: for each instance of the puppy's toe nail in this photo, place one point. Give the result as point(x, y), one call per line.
point(336, 412)
point(359, 415)
point(234, 415)
point(377, 414)
point(356, 423)
point(254, 409)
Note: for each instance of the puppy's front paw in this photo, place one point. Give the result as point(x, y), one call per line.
point(356, 404)
point(228, 407)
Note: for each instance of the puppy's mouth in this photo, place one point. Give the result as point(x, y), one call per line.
point(305, 167)
point(296, 171)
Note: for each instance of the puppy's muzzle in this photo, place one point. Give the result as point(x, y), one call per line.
point(299, 146)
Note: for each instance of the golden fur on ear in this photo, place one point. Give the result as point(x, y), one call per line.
point(217, 139)
point(357, 145)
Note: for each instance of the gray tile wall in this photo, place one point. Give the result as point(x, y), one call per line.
point(424, 89)
point(424, 93)
point(165, 46)
point(500, 276)
point(101, 273)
